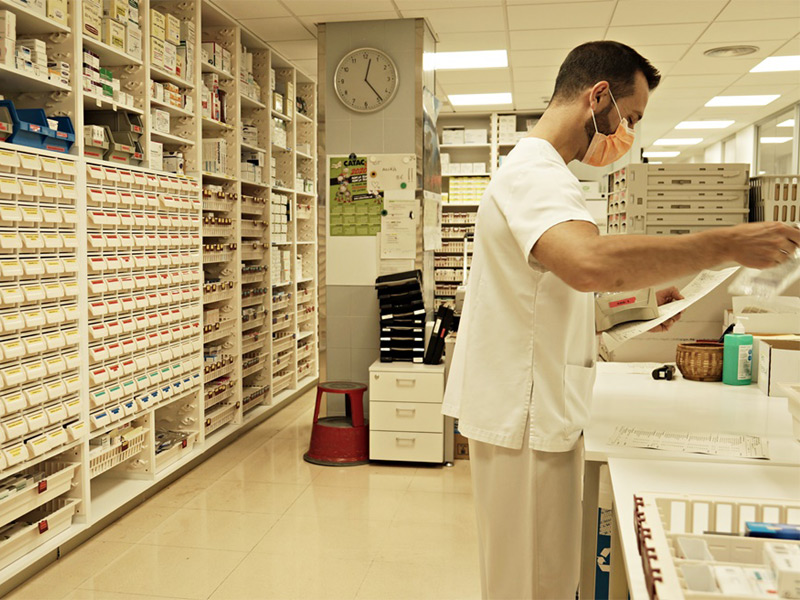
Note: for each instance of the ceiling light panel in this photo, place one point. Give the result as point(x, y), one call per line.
point(677, 141)
point(787, 123)
point(478, 59)
point(704, 124)
point(777, 63)
point(752, 100)
point(658, 154)
point(774, 140)
point(480, 99)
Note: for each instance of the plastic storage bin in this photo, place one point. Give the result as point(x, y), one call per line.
point(6, 124)
point(62, 138)
point(121, 146)
point(92, 149)
point(117, 121)
point(30, 130)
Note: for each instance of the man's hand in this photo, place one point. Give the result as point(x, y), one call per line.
point(666, 296)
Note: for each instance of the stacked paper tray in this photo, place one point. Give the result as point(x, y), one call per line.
point(681, 559)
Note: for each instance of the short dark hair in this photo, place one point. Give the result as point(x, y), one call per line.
point(603, 61)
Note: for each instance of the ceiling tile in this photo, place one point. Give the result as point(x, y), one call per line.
point(264, 8)
point(689, 93)
point(781, 78)
point(525, 101)
point(560, 16)
point(790, 48)
point(311, 21)
point(645, 35)
point(458, 42)
point(546, 74)
point(278, 30)
point(738, 89)
point(319, 7)
point(545, 39)
point(297, 50)
point(462, 19)
point(696, 63)
point(470, 75)
point(650, 12)
point(477, 87)
point(748, 10)
point(537, 58)
point(700, 80)
point(404, 5)
point(665, 53)
point(737, 32)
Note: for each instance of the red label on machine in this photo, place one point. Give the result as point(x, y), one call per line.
point(616, 303)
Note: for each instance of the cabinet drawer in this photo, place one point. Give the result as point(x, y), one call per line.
point(388, 386)
point(401, 445)
point(406, 416)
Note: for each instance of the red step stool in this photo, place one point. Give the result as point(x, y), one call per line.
point(340, 441)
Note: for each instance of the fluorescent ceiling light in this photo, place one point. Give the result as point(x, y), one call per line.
point(478, 59)
point(479, 99)
point(655, 162)
point(677, 141)
point(754, 100)
point(777, 63)
point(787, 123)
point(704, 124)
point(667, 154)
point(774, 140)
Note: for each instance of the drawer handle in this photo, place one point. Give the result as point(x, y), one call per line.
point(406, 441)
point(410, 411)
point(406, 382)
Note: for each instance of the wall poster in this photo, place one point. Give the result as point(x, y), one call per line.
point(354, 210)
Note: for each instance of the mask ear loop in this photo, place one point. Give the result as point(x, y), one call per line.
point(615, 105)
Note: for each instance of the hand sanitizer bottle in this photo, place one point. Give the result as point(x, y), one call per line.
point(737, 357)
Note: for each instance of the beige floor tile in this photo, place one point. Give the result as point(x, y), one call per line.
point(347, 503)
point(428, 543)
point(212, 529)
point(256, 497)
point(325, 537)
point(136, 524)
point(292, 577)
point(36, 590)
point(178, 493)
point(456, 479)
point(104, 595)
point(375, 477)
point(401, 581)
point(433, 507)
point(277, 461)
point(166, 571)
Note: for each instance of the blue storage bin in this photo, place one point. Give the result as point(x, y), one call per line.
point(30, 126)
point(64, 136)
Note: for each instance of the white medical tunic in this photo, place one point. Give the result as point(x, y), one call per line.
point(526, 341)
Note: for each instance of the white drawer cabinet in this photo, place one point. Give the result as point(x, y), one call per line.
point(405, 408)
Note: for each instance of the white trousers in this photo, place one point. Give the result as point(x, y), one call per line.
point(528, 506)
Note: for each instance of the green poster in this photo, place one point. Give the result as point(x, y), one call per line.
point(354, 211)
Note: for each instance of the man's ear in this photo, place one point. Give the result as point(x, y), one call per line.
point(597, 92)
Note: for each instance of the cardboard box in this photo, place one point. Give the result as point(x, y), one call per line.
point(188, 32)
point(8, 25)
point(116, 10)
point(57, 10)
point(170, 57)
point(158, 25)
point(453, 135)
point(461, 447)
point(133, 12)
point(506, 123)
point(778, 362)
point(475, 136)
point(159, 120)
point(479, 167)
point(94, 134)
point(133, 40)
point(92, 19)
point(157, 156)
point(7, 52)
point(778, 315)
point(114, 33)
point(157, 52)
point(173, 30)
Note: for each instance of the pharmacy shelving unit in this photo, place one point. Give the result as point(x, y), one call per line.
point(458, 229)
point(113, 345)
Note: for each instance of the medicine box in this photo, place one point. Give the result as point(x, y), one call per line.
point(452, 135)
point(116, 10)
point(476, 136)
point(8, 25)
point(170, 57)
point(114, 33)
point(133, 11)
point(778, 362)
point(157, 156)
point(57, 10)
point(157, 52)
point(158, 25)
point(133, 40)
point(92, 18)
point(172, 32)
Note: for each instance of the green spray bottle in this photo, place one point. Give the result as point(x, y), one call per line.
point(737, 357)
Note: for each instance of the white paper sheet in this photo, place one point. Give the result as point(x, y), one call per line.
point(717, 444)
point(700, 286)
point(432, 221)
point(399, 228)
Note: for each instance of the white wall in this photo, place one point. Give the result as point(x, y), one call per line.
point(713, 154)
point(745, 146)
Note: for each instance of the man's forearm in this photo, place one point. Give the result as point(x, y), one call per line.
point(628, 262)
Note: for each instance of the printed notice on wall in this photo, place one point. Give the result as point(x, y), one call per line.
point(399, 228)
point(696, 289)
point(354, 210)
point(713, 443)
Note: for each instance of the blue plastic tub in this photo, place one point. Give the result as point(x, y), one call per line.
point(64, 136)
point(30, 126)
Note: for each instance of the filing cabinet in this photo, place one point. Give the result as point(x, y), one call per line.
point(405, 412)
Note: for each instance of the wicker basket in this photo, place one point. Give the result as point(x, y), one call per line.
point(700, 361)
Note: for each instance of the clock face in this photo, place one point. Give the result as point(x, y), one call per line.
point(365, 80)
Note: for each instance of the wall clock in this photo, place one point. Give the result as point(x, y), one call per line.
point(366, 80)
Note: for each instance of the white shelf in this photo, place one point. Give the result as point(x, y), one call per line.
point(15, 80)
point(263, 186)
point(304, 118)
point(303, 155)
point(213, 124)
point(30, 22)
point(283, 189)
point(157, 74)
point(280, 148)
point(169, 139)
point(173, 110)
point(281, 116)
point(218, 176)
point(281, 284)
point(248, 102)
point(466, 174)
point(92, 102)
point(465, 145)
point(253, 148)
point(460, 205)
point(209, 68)
point(109, 56)
point(306, 194)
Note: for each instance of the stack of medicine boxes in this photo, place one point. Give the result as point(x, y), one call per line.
point(8, 37)
point(676, 198)
point(248, 87)
point(165, 37)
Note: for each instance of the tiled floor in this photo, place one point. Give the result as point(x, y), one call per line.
point(256, 521)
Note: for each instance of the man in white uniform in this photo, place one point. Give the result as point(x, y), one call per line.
point(524, 363)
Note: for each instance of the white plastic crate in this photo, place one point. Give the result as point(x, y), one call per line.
point(167, 457)
point(58, 480)
point(775, 198)
point(46, 522)
point(668, 526)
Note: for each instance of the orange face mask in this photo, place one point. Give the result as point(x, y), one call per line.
point(605, 149)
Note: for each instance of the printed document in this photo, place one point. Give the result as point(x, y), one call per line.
point(717, 444)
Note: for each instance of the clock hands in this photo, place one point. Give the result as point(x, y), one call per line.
point(366, 75)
